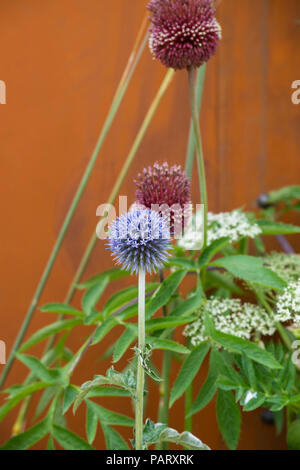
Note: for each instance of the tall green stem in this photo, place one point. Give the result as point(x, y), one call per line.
point(194, 103)
point(41, 285)
point(191, 142)
point(139, 409)
point(192, 73)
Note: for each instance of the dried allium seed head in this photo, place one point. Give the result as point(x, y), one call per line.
point(169, 189)
point(184, 33)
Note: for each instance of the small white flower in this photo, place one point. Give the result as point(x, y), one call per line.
point(286, 266)
point(288, 304)
point(233, 317)
point(234, 225)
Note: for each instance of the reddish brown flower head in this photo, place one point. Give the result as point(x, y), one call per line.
point(166, 189)
point(184, 33)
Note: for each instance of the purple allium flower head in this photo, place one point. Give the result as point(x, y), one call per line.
point(184, 33)
point(166, 187)
point(140, 239)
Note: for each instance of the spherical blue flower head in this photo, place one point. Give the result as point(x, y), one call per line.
point(140, 239)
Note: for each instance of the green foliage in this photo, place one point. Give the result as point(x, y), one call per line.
point(293, 435)
point(52, 376)
point(241, 346)
point(50, 330)
point(158, 433)
point(17, 394)
point(28, 438)
point(229, 418)
point(61, 309)
point(68, 440)
point(164, 293)
point(113, 439)
point(211, 251)
point(250, 269)
point(188, 371)
point(258, 385)
point(243, 375)
point(270, 227)
point(110, 275)
point(124, 380)
point(209, 388)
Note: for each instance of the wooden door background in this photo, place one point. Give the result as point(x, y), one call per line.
point(61, 61)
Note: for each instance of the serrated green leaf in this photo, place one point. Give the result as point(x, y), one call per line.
point(114, 441)
point(109, 417)
point(104, 329)
point(70, 395)
point(242, 346)
point(123, 297)
point(22, 393)
point(250, 269)
point(111, 275)
point(28, 438)
point(92, 296)
point(68, 440)
point(209, 388)
point(188, 305)
point(61, 309)
point(188, 264)
point(123, 344)
point(164, 293)
point(49, 330)
point(185, 439)
point(229, 418)
point(91, 425)
point(41, 371)
point(211, 251)
point(167, 344)
point(44, 400)
point(269, 227)
point(188, 371)
point(167, 322)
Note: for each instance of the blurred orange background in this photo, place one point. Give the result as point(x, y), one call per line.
point(61, 61)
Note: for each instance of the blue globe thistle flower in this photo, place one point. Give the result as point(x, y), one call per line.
point(140, 240)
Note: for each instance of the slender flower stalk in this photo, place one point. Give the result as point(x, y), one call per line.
point(139, 410)
point(117, 100)
point(189, 163)
point(192, 74)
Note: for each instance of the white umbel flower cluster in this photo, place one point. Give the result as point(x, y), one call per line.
point(234, 225)
point(233, 317)
point(286, 266)
point(288, 304)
